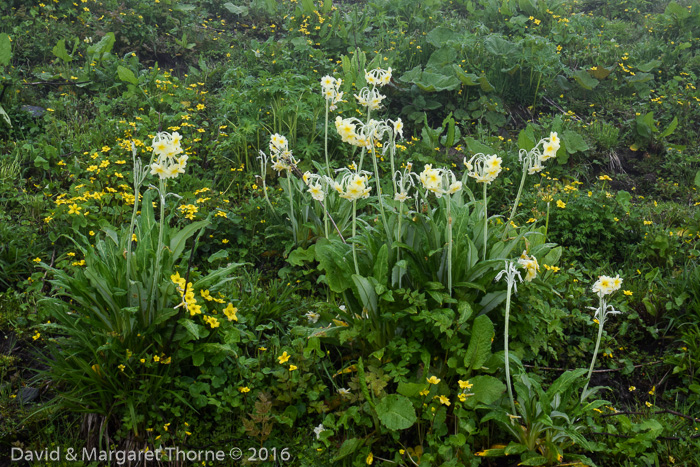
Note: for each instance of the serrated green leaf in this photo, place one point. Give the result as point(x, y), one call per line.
point(479, 348)
point(59, 50)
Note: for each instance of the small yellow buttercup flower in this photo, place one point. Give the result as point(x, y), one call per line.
point(433, 380)
point(283, 358)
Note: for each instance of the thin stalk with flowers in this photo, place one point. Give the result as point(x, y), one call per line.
point(403, 181)
point(330, 88)
point(511, 273)
point(605, 285)
point(443, 182)
point(353, 186)
point(484, 168)
point(166, 148)
point(532, 163)
point(140, 174)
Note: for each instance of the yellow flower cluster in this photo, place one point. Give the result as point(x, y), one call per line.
point(188, 298)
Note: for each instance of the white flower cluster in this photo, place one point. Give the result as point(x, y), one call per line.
point(439, 181)
point(606, 285)
point(535, 156)
point(330, 88)
point(281, 156)
point(166, 147)
point(530, 264)
point(484, 168)
point(353, 185)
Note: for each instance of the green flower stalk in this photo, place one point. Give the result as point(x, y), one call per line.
point(485, 169)
point(605, 285)
point(511, 272)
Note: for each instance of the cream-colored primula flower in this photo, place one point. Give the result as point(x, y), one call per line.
point(530, 264)
point(166, 146)
point(484, 168)
point(353, 185)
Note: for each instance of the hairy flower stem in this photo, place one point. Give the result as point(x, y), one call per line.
point(379, 195)
point(328, 166)
point(526, 166)
point(601, 323)
point(398, 234)
point(448, 200)
point(159, 250)
point(546, 224)
point(138, 178)
point(486, 222)
point(354, 227)
point(505, 347)
point(291, 206)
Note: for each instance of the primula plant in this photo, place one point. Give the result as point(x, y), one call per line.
point(123, 322)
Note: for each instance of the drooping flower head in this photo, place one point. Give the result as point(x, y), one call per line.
point(353, 185)
point(530, 265)
point(403, 181)
point(313, 181)
point(166, 149)
point(534, 157)
point(280, 155)
point(378, 77)
point(483, 167)
point(370, 98)
point(439, 181)
point(330, 88)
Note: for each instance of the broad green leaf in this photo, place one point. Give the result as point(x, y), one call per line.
point(562, 384)
point(178, 241)
point(585, 80)
point(677, 10)
point(479, 348)
point(6, 117)
point(697, 178)
point(500, 47)
point(104, 46)
point(381, 265)
point(475, 146)
point(127, 75)
point(442, 57)
point(650, 65)
point(486, 390)
point(367, 294)
point(670, 128)
point(218, 255)
point(396, 412)
point(639, 78)
point(183, 7)
point(198, 359)
point(191, 327)
point(535, 460)
point(349, 446)
point(335, 258)
point(440, 36)
point(5, 49)
point(60, 51)
point(526, 138)
point(574, 142)
point(434, 82)
point(600, 72)
point(300, 256)
point(411, 389)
